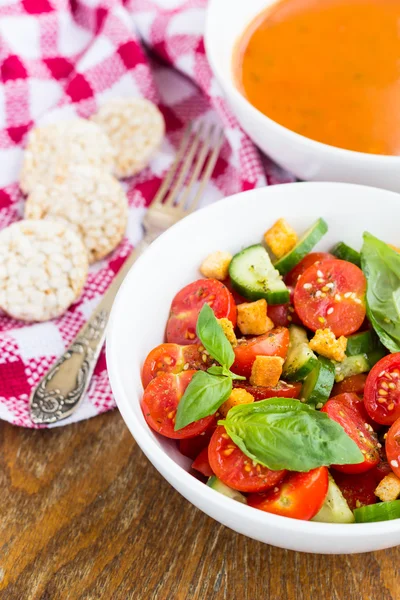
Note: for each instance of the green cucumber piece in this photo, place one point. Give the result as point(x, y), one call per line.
point(217, 485)
point(382, 511)
point(344, 252)
point(352, 365)
point(302, 248)
point(335, 508)
point(376, 354)
point(361, 343)
point(300, 360)
point(318, 384)
point(253, 276)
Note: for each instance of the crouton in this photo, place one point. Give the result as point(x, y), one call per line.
point(216, 265)
point(389, 488)
point(325, 343)
point(229, 331)
point(238, 396)
point(266, 371)
point(252, 318)
point(281, 238)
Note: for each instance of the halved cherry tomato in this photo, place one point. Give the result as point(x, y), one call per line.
point(279, 314)
point(237, 297)
point(354, 384)
point(331, 294)
point(235, 469)
point(282, 390)
point(382, 390)
point(380, 471)
point(160, 402)
point(273, 343)
point(185, 308)
point(202, 464)
point(299, 495)
point(357, 404)
point(392, 446)
point(191, 447)
point(358, 490)
point(309, 260)
point(349, 418)
point(172, 358)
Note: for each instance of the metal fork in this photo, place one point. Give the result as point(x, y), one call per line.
point(62, 389)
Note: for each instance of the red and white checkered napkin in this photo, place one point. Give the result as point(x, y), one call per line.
point(61, 58)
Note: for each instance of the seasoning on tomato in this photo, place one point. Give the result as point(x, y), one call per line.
point(282, 390)
point(309, 260)
point(273, 343)
point(160, 402)
point(173, 358)
point(235, 469)
point(356, 403)
point(187, 304)
point(331, 294)
point(355, 427)
point(358, 490)
point(354, 384)
point(299, 495)
point(382, 390)
point(392, 445)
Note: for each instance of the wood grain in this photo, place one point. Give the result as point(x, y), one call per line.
point(84, 515)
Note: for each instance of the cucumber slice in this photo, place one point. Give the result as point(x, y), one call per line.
point(361, 343)
point(382, 511)
point(253, 276)
point(335, 508)
point(318, 384)
point(302, 248)
point(217, 485)
point(300, 360)
point(352, 365)
point(344, 252)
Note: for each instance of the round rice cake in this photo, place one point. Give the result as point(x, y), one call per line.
point(136, 128)
point(91, 200)
point(43, 268)
point(52, 148)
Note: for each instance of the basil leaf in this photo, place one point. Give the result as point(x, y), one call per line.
point(215, 370)
point(213, 338)
point(381, 266)
point(281, 433)
point(203, 397)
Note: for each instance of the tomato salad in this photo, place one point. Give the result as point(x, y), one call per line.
point(280, 377)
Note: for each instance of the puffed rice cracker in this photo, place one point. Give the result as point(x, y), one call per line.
point(93, 201)
point(52, 148)
point(43, 268)
point(136, 128)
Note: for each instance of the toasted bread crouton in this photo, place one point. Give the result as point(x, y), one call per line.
point(252, 318)
point(281, 238)
point(238, 396)
point(266, 371)
point(325, 343)
point(389, 488)
point(229, 331)
point(216, 265)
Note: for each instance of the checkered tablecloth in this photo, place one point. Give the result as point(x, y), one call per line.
point(59, 59)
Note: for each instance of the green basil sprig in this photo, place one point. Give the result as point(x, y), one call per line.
point(208, 390)
point(381, 267)
point(281, 433)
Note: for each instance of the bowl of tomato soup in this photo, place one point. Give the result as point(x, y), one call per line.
point(314, 83)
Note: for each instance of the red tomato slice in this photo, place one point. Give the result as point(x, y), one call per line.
point(237, 297)
point(331, 294)
point(382, 390)
point(279, 314)
point(356, 403)
point(160, 402)
point(185, 308)
point(353, 384)
point(173, 358)
point(235, 469)
point(349, 418)
point(380, 471)
point(358, 490)
point(392, 446)
point(202, 464)
point(309, 260)
point(299, 495)
point(282, 390)
point(273, 343)
point(191, 447)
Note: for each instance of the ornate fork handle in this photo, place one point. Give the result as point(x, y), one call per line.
point(64, 386)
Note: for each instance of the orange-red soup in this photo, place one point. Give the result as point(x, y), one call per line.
point(327, 69)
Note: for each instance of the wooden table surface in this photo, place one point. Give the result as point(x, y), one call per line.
point(84, 515)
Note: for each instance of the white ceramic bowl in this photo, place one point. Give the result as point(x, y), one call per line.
point(306, 158)
point(141, 309)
